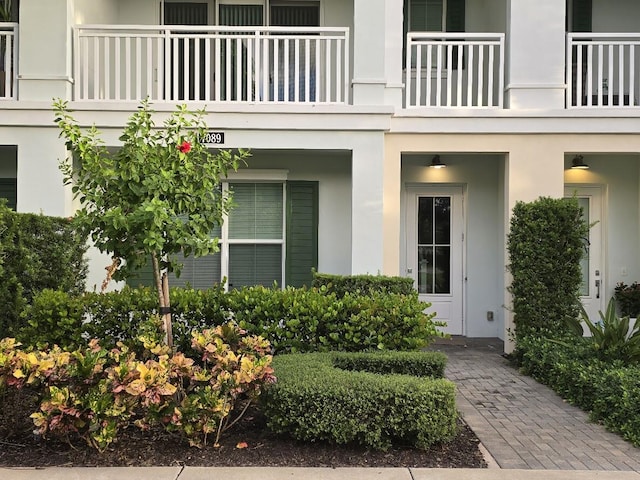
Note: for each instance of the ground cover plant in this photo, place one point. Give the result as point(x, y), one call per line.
point(94, 393)
point(608, 389)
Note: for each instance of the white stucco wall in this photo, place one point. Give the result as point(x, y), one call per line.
point(96, 11)
point(479, 175)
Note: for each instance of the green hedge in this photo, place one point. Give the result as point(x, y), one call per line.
point(293, 320)
point(37, 252)
point(545, 244)
point(418, 364)
point(313, 401)
point(362, 284)
point(608, 390)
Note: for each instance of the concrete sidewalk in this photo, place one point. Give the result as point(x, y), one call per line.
point(257, 473)
point(523, 424)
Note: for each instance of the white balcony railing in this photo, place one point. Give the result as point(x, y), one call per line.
point(602, 70)
point(8, 60)
point(211, 64)
point(454, 70)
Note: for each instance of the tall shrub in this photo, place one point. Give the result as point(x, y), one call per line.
point(546, 241)
point(37, 253)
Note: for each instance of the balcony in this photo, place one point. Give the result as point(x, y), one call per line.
point(454, 70)
point(8, 60)
point(602, 70)
point(294, 65)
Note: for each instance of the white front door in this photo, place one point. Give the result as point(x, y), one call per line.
point(592, 290)
point(435, 250)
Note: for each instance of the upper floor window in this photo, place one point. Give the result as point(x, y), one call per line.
point(434, 15)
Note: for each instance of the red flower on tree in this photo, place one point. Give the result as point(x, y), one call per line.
point(184, 147)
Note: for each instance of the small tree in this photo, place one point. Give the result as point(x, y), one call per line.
point(157, 195)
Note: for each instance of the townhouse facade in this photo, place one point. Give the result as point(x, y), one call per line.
point(387, 136)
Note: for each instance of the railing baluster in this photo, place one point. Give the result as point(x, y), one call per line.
point(138, 68)
point(218, 69)
point(116, 68)
point(185, 69)
point(621, 75)
point(327, 71)
point(579, 86)
point(196, 69)
point(296, 78)
point(439, 76)
point(427, 102)
point(307, 69)
point(316, 76)
point(460, 74)
point(632, 68)
point(419, 75)
point(589, 76)
point(449, 48)
point(96, 68)
point(490, 74)
point(480, 75)
point(127, 67)
point(149, 67)
point(286, 74)
point(228, 71)
point(600, 66)
point(610, 81)
point(207, 69)
point(276, 70)
point(470, 77)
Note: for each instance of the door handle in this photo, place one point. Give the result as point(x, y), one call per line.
point(597, 288)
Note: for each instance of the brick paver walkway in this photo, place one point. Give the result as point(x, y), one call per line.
point(524, 424)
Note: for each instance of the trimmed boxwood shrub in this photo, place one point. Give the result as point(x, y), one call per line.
point(609, 390)
point(545, 244)
point(628, 299)
point(362, 284)
point(38, 252)
point(418, 364)
point(293, 320)
point(313, 401)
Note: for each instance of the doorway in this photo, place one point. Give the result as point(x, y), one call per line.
point(435, 237)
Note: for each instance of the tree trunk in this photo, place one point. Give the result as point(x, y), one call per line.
point(162, 287)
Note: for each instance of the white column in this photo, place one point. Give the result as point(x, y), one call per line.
point(45, 49)
point(530, 173)
point(377, 57)
point(39, 185)
point(367, 199)
point(536, 54)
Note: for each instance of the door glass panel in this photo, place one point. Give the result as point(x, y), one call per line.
point(425, 269)
point(442, 269)
point(434, 245)
point(425, 220)
point(442, 207)
point(584, 263)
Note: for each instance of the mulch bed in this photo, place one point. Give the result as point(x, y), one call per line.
point(20, 447)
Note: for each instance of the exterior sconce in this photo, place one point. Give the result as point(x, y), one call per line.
point(578, 163)
point(436, 163)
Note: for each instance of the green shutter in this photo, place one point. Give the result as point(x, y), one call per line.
point(9, 191)
point(582, 16)
point(455, 16)
point(302, 232)
point(241, 15)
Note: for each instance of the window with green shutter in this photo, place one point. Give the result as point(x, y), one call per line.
point(270, 235)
